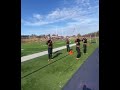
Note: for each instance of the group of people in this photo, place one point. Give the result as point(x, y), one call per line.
point(77, 41)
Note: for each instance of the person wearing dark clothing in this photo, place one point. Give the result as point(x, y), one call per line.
point(50, 47)
point(84, 45)
point(67, 44)
point(77, 41)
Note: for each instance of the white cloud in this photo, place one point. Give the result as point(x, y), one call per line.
point(83, 2)
point(79, 1)
point(59, 15)
point(37, 16)
point(78, 17)
point(56, 16)
point(73, 28)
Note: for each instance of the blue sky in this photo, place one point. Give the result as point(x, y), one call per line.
point(63, 17)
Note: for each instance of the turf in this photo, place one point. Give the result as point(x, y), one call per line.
point(55, 75)
point(30, 48)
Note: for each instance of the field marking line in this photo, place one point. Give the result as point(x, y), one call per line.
point(35, 55)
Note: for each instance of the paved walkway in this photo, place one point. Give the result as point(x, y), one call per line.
point(87, 75)
point(35, 55)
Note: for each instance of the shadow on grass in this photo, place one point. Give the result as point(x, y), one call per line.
point(43, 67)
point(93, 42)
point(57, 54)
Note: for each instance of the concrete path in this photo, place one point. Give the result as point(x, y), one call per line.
point(35, 55)
point(87, 76)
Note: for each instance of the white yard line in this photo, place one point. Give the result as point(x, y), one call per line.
point(35, 55)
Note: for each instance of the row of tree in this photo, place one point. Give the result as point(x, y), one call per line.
point(40, 36)
point(92, 34)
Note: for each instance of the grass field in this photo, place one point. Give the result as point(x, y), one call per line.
point(56, 74)
point(30, 48)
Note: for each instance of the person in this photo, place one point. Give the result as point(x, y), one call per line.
point(67, 44)
point(50, 47)
point(84, 45)
point(77, 41)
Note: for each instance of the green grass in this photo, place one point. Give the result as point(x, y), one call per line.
point(54, 75)
point(35, 47)
point(30, 48)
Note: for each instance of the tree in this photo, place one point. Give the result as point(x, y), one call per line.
point(98, 33)
point(79, 35)
point(53, 35)
point(49, 35)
